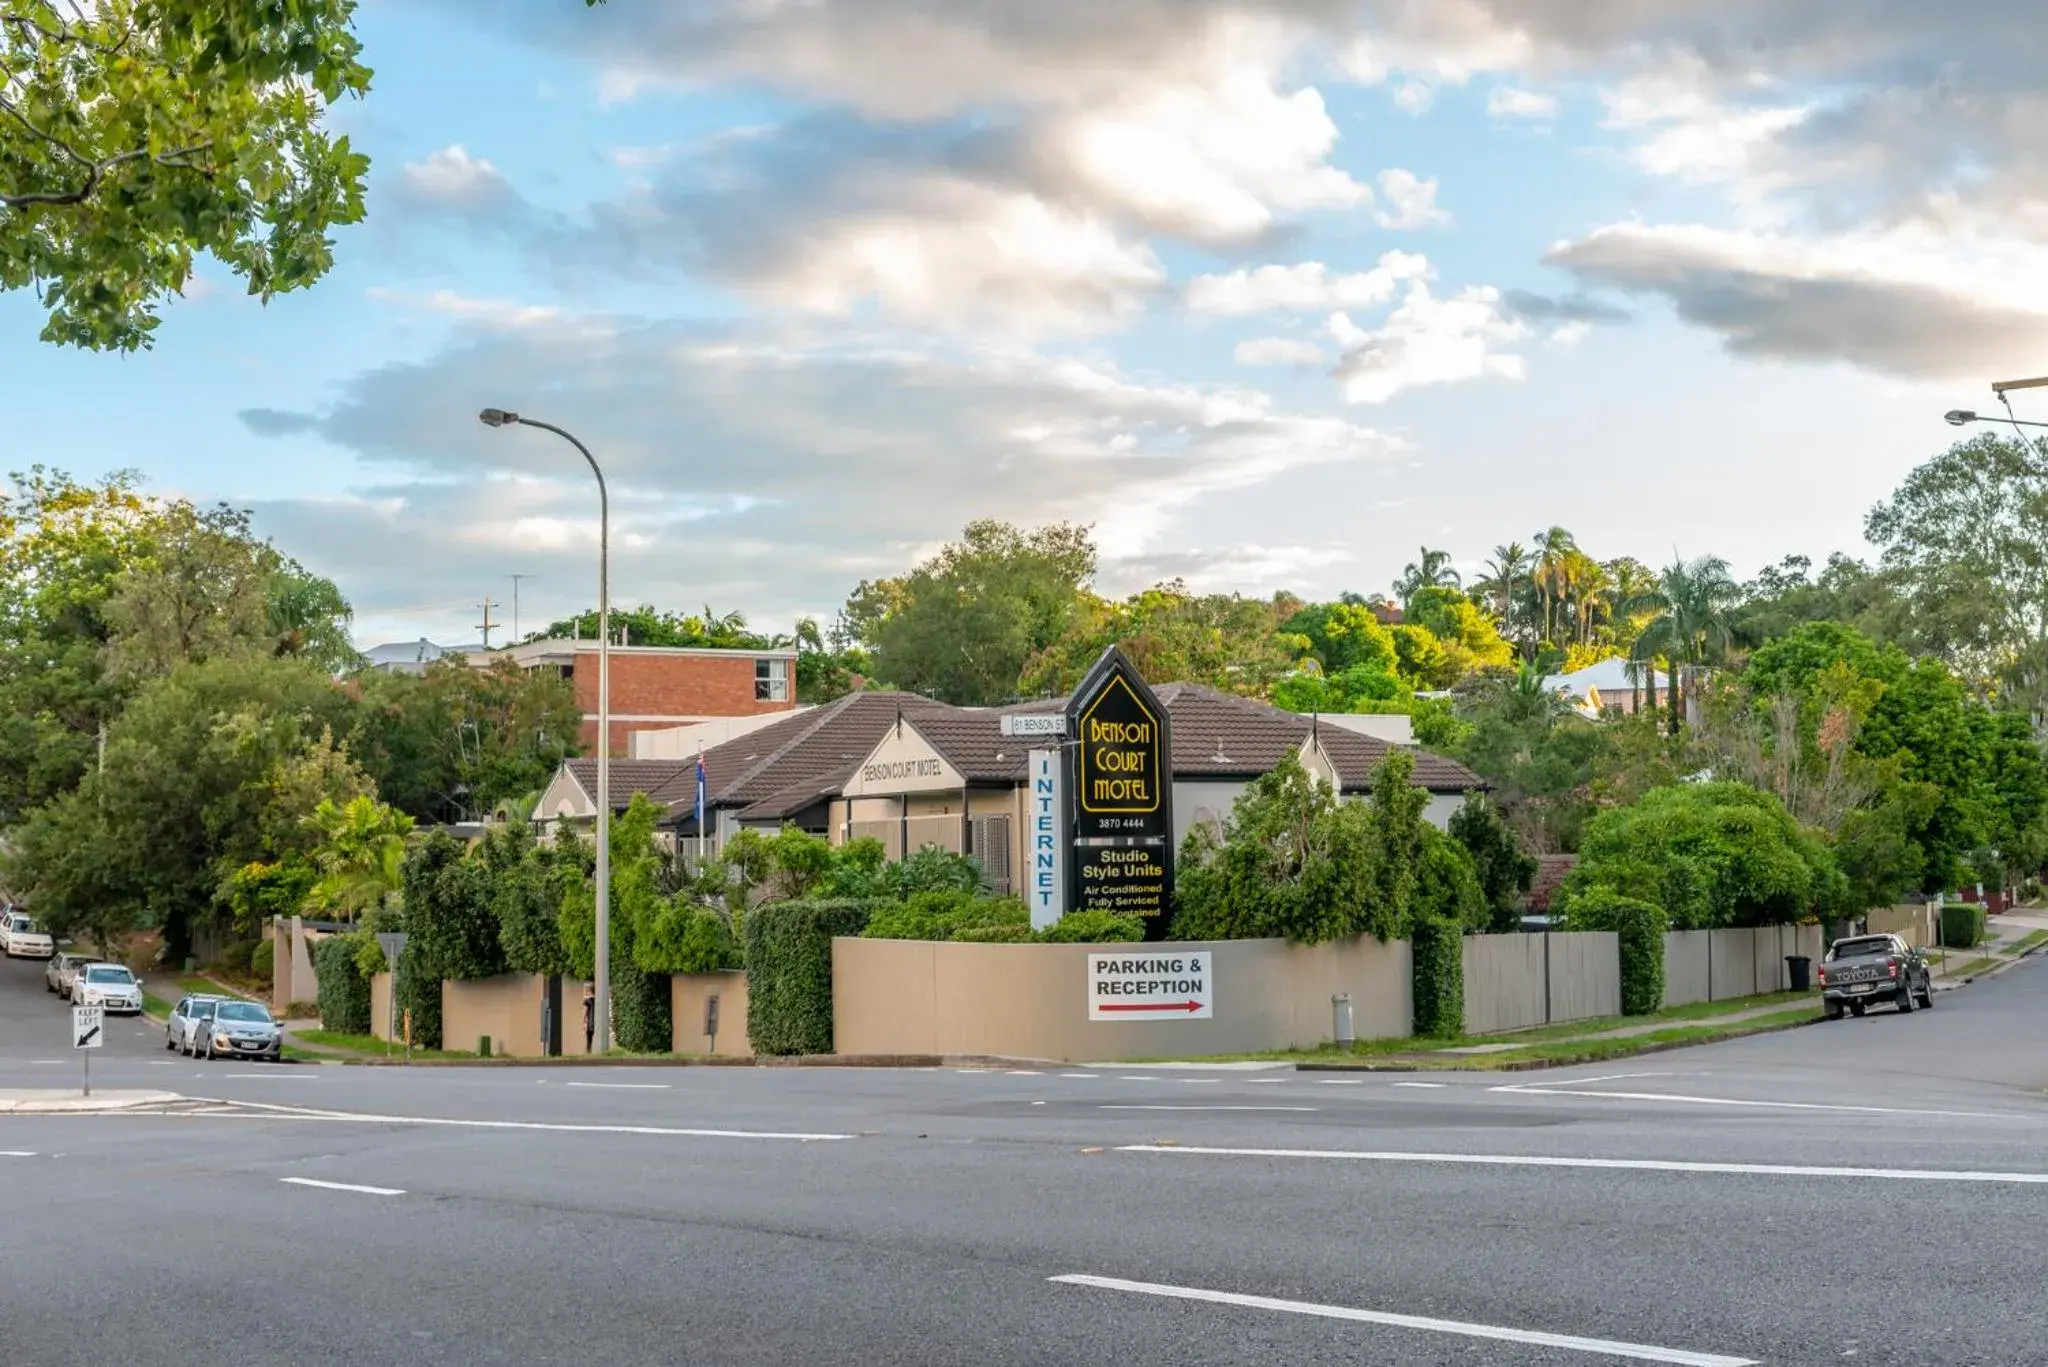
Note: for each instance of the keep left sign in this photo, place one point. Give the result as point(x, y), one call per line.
point(1147, 985)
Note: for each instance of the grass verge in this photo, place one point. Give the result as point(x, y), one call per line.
point(1558, 1053)
point(155, 1007)
point(1975, 966)
point(2022, 946)
point(370, 1045)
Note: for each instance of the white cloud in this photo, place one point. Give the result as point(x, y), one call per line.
point(1569, 334)
point(1266, 351)
point(1411, 201)
point(1428, 341)
point(1510, 102)
point(766, 470)
point(495, 313)
point(1414, 97)
point(454, 179)
point(1307, 286)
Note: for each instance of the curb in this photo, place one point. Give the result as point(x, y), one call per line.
point(68, 1104)
point(1533, 1065)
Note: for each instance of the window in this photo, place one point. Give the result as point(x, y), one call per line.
point(771, 680)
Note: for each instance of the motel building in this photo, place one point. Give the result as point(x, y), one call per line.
point(913, 773)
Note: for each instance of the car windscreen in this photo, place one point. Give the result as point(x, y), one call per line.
point(240, 1011)
point(1861, 949)
point(108, 973)
point(24, 926)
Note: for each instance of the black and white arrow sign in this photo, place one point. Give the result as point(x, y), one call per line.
point(86, 1023)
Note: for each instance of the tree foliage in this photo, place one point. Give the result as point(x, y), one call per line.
point(135, 134)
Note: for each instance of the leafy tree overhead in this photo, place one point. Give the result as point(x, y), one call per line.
point(648, 625)
point(1431, 570)
point(1227, 642)
point(1689, 625)
point(962, 625)
point(1504, 872)
point(135, 134)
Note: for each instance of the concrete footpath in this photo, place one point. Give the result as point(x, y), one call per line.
point(70, 1101)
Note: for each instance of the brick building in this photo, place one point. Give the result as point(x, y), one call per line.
point(656, 687)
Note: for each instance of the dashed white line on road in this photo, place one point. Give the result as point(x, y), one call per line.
point(1266, 1081)
point(1638, 1352)
point(1340, 1082)
point(343, 1186)
point(621, 1086)
point(1497, 1160)
point(276, 1073)
point(1080, 1075)
point(1134, 1107)
point(558, 1127)
point(16, 1153)
point(1418, 1084)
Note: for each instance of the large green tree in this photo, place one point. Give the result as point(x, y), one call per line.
point(962, 625)
point(1172, 634)
point(137, 134)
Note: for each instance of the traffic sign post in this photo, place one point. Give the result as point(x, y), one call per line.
point(88, 1032)
point(1136, 985)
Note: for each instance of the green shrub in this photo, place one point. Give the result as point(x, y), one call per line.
point(1639, 927)
point(789, 973)
point(950, 915)
point(1439, 950)
point(642, 1005)
point(683, 937)
point(995, 935)
point(1962, 925)
point(1093, 928)
point(263, 961)
point(344, 993)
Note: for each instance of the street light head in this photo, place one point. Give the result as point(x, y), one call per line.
point(498, 417)
point(1956, 417)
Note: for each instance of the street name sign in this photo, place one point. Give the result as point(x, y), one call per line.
point(1034, 724)
point(88, 1027)
point(1140, 984)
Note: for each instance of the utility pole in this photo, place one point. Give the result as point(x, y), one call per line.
point(487, 625)
point(515, 604)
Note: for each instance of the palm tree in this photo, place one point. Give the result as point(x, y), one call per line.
point(1432, 571)
point(1508, 567)
point(1591, 586)
point(361, 855)
point(1690, 628)
point(1552, 548)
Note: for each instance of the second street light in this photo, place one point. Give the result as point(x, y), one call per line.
point(601, 1007)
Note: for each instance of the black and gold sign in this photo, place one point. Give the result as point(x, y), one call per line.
point(1121, 766)
point(1122, 786)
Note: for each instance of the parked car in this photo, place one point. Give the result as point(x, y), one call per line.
point(22, 938)
point(1874, 968)
point(239, 1029)
point(111, 987)
point(181, 1030)
point(62, 969)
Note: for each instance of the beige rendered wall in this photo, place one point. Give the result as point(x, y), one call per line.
point(1031, 1001)
point(689, 994)
point(380, 1006)
point(507, 1008)
point(1915, 922)
point(305, 987)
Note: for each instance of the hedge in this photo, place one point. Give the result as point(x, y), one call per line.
point(642, 1007)
point(418, 991)
point(1093, 928)
point(789, 972)
point(1962, 925)
point(1439, 953)
point(344, 993)
point(1639, 926)
point(263, 961)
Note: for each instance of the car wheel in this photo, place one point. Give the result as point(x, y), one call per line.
point(1904, 998)
point(169, 1043)
point(1834, 1011)
point(1857, 1009)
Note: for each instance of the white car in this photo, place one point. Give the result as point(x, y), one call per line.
point(181, 1031)
point(22, 938)
point(62, 971)
point(108, 986)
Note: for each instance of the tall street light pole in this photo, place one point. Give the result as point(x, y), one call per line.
point(602, 1006)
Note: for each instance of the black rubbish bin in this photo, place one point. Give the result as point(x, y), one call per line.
point(1800, 970)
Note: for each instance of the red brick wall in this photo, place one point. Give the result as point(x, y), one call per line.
point(670, 686)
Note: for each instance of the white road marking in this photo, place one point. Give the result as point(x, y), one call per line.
point(1583, 1081)
point(343, 1186)
point(1418, 1084)
point(1197, 1080)
point(1080, 1075)
point(1496, 1160)
point(1639, 1352)
point(1026, 1072)
point(1137, 1079)
point(621, 1086)
point(1761, 1105)
point(1204, 1108)
point(1340, 1082)
point(1265, 1082)
point(278, 1072)
point(17, 1153)
point(358, 1118)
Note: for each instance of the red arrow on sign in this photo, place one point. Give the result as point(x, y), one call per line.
point(1152, 1006)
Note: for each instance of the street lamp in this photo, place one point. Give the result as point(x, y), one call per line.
point(601, 1007)
point(1957, 417)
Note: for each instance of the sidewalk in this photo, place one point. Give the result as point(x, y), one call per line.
point(1649, 1027)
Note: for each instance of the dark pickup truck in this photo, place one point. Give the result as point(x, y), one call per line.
point(1874, 968)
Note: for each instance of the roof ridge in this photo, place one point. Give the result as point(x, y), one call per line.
point(817, 717)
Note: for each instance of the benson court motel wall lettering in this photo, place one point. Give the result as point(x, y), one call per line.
point(1122, 796)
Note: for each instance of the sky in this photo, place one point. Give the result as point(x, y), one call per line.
point(1269, 292)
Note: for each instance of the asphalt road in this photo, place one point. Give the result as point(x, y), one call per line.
point(1869, 1192)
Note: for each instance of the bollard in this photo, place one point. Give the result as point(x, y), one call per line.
point(1340, 1010)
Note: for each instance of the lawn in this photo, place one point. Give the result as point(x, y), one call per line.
point(1391, 1055)
point(369, 1044)
point(2022, 946)
point(1974, 967)
point(155, 1007)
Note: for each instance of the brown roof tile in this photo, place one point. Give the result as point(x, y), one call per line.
point(1551, 871)
point(1221, 735)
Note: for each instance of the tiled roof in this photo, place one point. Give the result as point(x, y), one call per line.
point(1551, 870)
point(1221, 735)
point(973, 743)
point(817, 749)
point(654, 777)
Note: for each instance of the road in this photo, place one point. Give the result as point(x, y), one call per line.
point(1869, 1192)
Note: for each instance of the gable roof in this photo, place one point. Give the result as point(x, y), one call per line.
point(1551, 871)
point(1220, 735)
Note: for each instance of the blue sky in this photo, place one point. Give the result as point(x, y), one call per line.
point(1270, 291)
